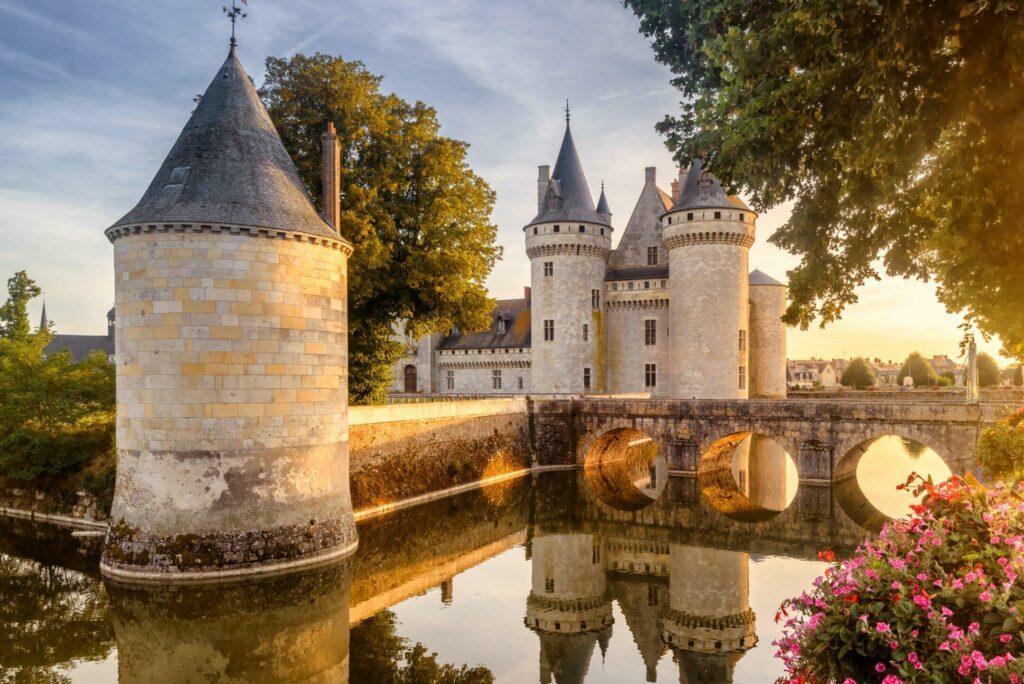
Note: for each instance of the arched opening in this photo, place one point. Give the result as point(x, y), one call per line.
point(867, 477)
point(748, 477)
point(410, 379)
point(626, 469)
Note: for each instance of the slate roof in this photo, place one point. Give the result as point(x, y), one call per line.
point(569, 184)
point(229, 166)
point(712, 197)
point(515, 312)
point(80, 346)
point(761, 278)
point(602, 203)
point(637, 272)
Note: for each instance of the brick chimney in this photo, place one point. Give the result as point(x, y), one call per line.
point(651, 175)
point(331, 176)
point(675, 190)
point(528, 296)
point(543, 176)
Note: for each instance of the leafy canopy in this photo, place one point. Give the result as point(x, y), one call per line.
point(893, 126)
point(14, 323)
point(988, 371)
point(918, 368)
point(859, 373)
point(417, 214)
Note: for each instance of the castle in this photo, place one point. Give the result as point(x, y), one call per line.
point(671, 312)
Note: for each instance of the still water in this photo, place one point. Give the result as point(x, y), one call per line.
point(624, 575)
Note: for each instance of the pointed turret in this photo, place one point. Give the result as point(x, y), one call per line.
point(568, 196)
point(701, 190)
point(229, 167)
point(602, 206)
point(44, 322)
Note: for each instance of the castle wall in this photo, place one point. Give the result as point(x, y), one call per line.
point(628, 353)
point(231, 373)
point(472, 371)
point(767, 341)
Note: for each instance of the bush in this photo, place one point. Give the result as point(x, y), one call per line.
point(858, 373)
point(935, 598)
point(943, 381)
point(988, 371)
point(919, 368)
point(1000, 448)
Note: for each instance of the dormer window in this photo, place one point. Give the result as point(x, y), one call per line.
point(178, 174)
point(704, 187)
point(552, 200)
point(502, 324)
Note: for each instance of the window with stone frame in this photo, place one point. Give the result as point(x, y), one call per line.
point(549, 268)
point(519, 382)
point(650, 332)
point(595, 299)
point(652, 256)
point(743, 340)
point(586, 378)
point(586, 332)
point(549, 330)
point(496, 379)
point(743, 377)
point(502, 324)
point(650, 375)
point(449, 379)
point(549, 585)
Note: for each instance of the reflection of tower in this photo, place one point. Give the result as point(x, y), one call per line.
point(569, 606)
point(760, 468)
point(288, 629)
point(709, 623)
point(639, 585)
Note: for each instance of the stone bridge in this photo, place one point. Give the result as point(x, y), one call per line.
point(825, 438)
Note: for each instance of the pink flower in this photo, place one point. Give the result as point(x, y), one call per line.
point(879, 667)
point(1005, 638)
point(882, 627)
point(985, 596)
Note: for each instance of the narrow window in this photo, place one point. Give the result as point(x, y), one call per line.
point(586, 378)
point(652, 595)
point(519, 382)
point(647, 284)
point(583, 625)
point(650, 332)
point(652, 256)
point(558, 228)
point(583, 229)
point(586, 332)
point(502, 325)
point(663, 283)
point(496, 379)
point(650, 375)
point(602, 231)
point(718, 214)
point(630, 285)
point(741, 216)
point(670, 220)
point(743, 340)
point(449, 378)
point(689, 216)
point(535, 230)
point(595, 299)
point(549, 585)
point(743, 377)
point(549, 268)
point(595, 555)
point(615, 287)
point(549, 331)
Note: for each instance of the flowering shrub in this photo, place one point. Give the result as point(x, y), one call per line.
point(1001, 447)
point(937, 597)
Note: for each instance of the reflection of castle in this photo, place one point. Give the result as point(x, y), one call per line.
point(689, 599)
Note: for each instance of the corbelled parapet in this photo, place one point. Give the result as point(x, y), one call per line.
point(231, 354)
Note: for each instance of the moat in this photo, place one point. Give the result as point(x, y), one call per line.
point(562, 576)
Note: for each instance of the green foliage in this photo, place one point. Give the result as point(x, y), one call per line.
point(988, 371)
point(894, 128)
point(380, 655)
point(14, 323)
point(859, 373)
point(417, 214)
point(920, 369)
point(57, 415)
point(101, 487)
point(943, 381)
point(949, 375)
point(1000, 448)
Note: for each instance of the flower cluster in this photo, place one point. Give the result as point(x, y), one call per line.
point(936, 597)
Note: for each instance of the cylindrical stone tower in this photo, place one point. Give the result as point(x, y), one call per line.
point(767, 337)
point(568, 244)
point(231, 354)
point(708, 234)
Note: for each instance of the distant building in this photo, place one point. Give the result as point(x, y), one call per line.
point(808, 373)
point(80, 346)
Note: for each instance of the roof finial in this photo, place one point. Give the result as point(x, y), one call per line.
point(235, 14)
point(567, 112)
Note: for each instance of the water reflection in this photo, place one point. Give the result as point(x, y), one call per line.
point(627, 469)
point(867, 477)
point(748, 476)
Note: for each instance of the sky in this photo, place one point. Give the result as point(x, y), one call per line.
point(95, 92)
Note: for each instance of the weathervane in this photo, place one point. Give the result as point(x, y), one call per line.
point(235, 13)
point(567, 112)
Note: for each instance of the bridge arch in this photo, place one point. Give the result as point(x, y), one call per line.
point(748, 476)
point(860, 436)
point(626, 468)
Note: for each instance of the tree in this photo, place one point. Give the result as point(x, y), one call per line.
point(14, 323)
point(950, 376)
point(988, 371)
point(1018, 376)
point(893, 126)
point(417, 214)
point(858, 373)
point(918, 368)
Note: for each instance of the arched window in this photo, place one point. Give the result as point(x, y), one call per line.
point(410, 379)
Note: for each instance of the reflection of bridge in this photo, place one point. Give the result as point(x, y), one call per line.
point(818, 434)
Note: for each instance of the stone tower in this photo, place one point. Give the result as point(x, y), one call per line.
point(708, 234)
point(568, 243)
point(231, 354)
point(767, 337)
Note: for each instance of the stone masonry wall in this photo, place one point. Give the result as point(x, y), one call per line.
point(472, 371)
point(628, 353)
point(767, 341)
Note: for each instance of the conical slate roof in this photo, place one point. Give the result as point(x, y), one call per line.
point(229, 166)
point(761, 278)
point(711, 196)
point(569, 184)
point(602, 203)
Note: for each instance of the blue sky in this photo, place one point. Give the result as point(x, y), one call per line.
point(94, 92)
